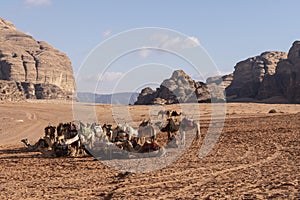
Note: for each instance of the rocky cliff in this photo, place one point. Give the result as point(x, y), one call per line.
point(286, 80)
point(250, 73)
point(179, 88)
point(39, 70)
point(272, 77)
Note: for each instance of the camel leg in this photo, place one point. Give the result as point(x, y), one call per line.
point(141, 141)
point(197, 127)
point(169, 136)
point(182, 136)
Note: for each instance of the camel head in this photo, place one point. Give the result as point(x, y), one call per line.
point(145, 123)
point(50, 131)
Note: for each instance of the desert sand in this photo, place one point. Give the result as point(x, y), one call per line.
point(257, 156)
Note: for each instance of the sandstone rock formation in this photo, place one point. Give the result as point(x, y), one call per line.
point(287, 76)
point(180, 88)
point(272, 77)
point(224, 80)
point(146, 97)
point(11, 91)
point(38, 69)
point(249, 74)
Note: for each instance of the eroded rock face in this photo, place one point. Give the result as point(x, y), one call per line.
point(287, 75)
point(249, 74)
point(27, 61)
point(179, 88)
point(11, 91)
point(224, 80)
point(272, 77)
point(146, 97)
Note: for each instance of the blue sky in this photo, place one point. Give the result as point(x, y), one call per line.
point(230, 31)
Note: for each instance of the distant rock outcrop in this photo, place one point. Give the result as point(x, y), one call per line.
point(250, 73)
point(180, 88)
point(147, 96)
point(225, 80)
point(39, 70)
point(272, 77)
point(286, 81)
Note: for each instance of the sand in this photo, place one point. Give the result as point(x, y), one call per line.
point(257, 156)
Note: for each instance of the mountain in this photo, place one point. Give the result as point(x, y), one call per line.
point(180, 88)
point(32, 69)
point(250, 73)
point(271, 77)
point(125, 98)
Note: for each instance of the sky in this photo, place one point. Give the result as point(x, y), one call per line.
point(229, 31)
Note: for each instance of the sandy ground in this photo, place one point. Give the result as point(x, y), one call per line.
point(257, 156)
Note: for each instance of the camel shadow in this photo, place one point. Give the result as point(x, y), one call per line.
point(25, 153)
point(18, 152)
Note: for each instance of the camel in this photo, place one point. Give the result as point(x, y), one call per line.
point(126, 138)
point(146, 131)
point(169, 113)
point(152, 149)
point(123, 132)
point(43, 143)
point(186, 124)
point(74, 138)
point(108, 131)
point(93, 136)
point(50, 132)
point(68, 136)
point(65, 143)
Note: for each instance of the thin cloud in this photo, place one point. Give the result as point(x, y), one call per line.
point(106, 33)
point(111, 76)
point(37, 2)
point(176, 43)
point(144, 52)
point(167, 42)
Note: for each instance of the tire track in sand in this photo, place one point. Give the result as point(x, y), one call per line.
point(240, 167)
point(201, 181)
